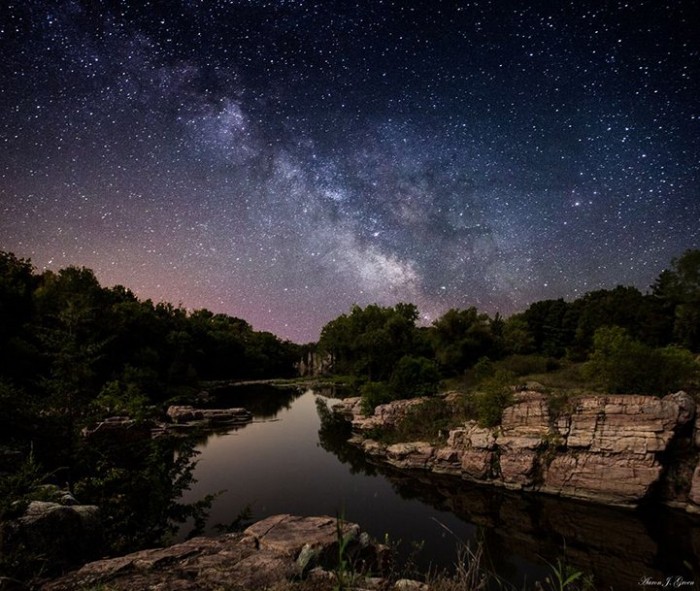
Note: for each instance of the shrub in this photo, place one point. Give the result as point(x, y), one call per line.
point(494, 395)
point(623, 365)
point(522, 365)
point(414, 376)
point(373, 394)
point(426, 421)
point(483, 369)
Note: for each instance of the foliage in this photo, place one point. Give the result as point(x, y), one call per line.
point(414, 376)
point(484, 369)
point(370, 341)
point(373, 394)
point(517, 339)
point(117, 398)
point(522, 365)
point(678, 291)
point(625, 365)
point(493, 396)
point(429, 421)
point(344, 575)
point(17, 488)
point(567, 578)
point(137, 486)
point(461, 337)
point(16, 414)
point(552, 325)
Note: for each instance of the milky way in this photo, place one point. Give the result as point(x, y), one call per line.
point(281, 161)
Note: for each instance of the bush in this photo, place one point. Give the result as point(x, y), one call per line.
point(522, 365)
point(494, 395)
point(428, 421)
point(624, 365)
point(412, 377)
point(373, 394)
point(483, 369)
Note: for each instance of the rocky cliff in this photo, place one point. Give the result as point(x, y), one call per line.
point(616, 449)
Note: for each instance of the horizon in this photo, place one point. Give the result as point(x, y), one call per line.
point(422, 321)
point(282, 161)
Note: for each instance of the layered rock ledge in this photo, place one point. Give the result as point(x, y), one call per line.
point(268, 554)
point(612, 449)
point(183, 415)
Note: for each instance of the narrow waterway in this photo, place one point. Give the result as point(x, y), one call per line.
point(285, 463)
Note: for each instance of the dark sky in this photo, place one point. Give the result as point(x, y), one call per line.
point(280, 161)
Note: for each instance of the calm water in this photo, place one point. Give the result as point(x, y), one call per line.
point(284, 463)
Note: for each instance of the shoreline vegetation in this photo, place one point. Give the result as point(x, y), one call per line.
point(76, 354)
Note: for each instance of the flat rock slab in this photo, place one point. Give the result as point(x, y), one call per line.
point(265, 555)
point(288, 534)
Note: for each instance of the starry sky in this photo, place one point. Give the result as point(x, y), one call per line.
point(281, 160)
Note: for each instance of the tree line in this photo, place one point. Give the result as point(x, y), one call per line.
point(70, 344)
point(634, 341)
point(73, 352)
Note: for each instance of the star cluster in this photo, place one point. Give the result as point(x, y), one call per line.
point(282, 160)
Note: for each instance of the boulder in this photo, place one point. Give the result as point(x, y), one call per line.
point(63, 535)
point(414, 455)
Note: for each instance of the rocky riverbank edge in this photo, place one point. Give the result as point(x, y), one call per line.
point(619, 450)
point(276, 553)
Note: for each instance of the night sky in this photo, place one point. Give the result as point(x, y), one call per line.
point(281, 160)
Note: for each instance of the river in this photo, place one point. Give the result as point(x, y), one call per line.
point(284, 462)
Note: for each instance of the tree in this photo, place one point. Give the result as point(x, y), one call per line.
point(369, 341)
point(552, 324)
point(414, 376)
point(461, 338)
point(679, 290)
point(625, 365)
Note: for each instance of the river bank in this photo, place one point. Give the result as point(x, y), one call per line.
point(619, 450)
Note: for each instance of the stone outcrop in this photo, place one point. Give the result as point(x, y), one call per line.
point(613, 449)
point(313, 364)
point(275, 550)
point(187, 415)
point(385, 415)
point(63, 533)
point(119, 430)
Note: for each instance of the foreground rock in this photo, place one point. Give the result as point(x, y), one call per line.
point(617, 449)
point(64, 534)
point(269, 553)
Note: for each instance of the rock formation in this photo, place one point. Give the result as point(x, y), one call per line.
point(183, 415)
point(614, 449)
point(277, 549)
point(63, 533)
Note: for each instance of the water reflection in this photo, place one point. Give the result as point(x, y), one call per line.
point(301, 465)
point(620, 547)
point(265, 402)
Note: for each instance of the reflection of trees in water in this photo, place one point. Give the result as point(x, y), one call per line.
point(618, 546)
point(333, 436)
point(263, 400)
